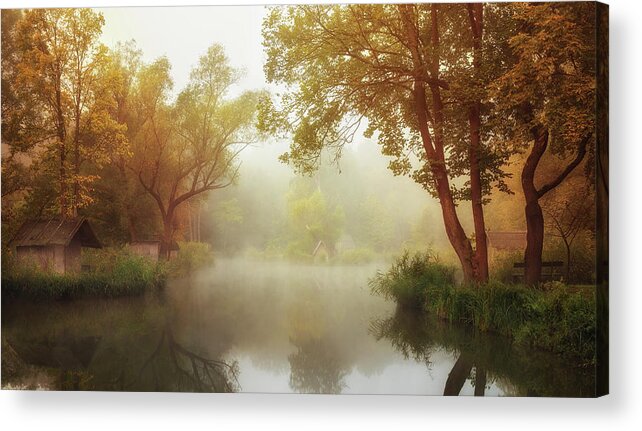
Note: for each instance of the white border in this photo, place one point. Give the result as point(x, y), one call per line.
point(620, 410)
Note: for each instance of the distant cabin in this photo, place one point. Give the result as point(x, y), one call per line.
point(151, 249)
point(507, 240)
point(321, 252)
point(54, 244)
point(345, 243)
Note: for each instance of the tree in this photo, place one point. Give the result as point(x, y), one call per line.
point(190, 147)
point(395, 67)
point(66, 116)
point(229, 222)
point(569, 215)
point(122, 207)
point(546, 99)
point(16, 111)
point(311, 218)
point(376, 228)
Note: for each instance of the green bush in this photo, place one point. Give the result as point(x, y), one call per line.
point(411, 277)
point(582, 269)
point(191, 256)
point(553, 318)
point(501, 265)
point(113, 273)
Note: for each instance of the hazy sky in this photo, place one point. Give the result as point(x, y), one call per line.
point(183, 34)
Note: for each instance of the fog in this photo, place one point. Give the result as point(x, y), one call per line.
point(379, 214)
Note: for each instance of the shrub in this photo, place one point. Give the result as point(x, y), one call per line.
point(410, 277)
point(501, 265)
point(114, 272)
point(552, 318)
point(191, 256)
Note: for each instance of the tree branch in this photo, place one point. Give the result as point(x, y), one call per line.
point(581, 152)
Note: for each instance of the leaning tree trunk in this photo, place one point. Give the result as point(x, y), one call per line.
point(532, 195)
point(434, 145)
point(454, 230)
point(533, 210)
point(534, 241)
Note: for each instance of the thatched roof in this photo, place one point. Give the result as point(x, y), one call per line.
point(55, 231)
point(507, 240)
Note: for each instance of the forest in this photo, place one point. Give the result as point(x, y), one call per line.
point(406, 141)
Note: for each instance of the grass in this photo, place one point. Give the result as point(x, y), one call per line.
point(116, 273)
point(191, 257)
point(411, 277)
point(553, 318)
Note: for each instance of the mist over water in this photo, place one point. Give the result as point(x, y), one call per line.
point(253, 326)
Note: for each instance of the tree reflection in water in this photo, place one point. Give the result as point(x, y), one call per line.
point(172, 367)
point(484, 359)
point(315, 368)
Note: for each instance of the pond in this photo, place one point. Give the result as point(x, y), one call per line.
point(269, 327)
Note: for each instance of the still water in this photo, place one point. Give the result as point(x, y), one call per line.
point(269, 327)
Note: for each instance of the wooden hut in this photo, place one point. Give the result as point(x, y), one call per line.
point(54, 244)
point(345, 243)
point(151, 249)
point(321, 252)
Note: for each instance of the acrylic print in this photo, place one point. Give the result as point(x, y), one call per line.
point(334, 199)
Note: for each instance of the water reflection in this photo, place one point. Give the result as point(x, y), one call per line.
point(173, 368)
point(483, 359)
point(268, 327)
point(96, 345)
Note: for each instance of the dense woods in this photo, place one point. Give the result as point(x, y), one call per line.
point(463, 98)
point(451, 93)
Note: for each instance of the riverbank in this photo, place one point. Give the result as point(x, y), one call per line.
point(113, 272)
point(128, 276)
point(554, 317)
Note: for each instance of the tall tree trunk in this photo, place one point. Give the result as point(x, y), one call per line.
point(568, 259)
point(434, 146)
point(454, 230)
point(533, 210)
point(198, 221)
point(131, 226)
point(476, 14)
point(76, 187)
point(63, 179)
point(168, 235)
point(190, 221)
point(481, 242)
point(62, 136)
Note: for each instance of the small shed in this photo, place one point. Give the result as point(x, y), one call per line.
point(507, 240)
point(345, 243)
point(321, 252)
point(54, 244)
point(151, 249)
